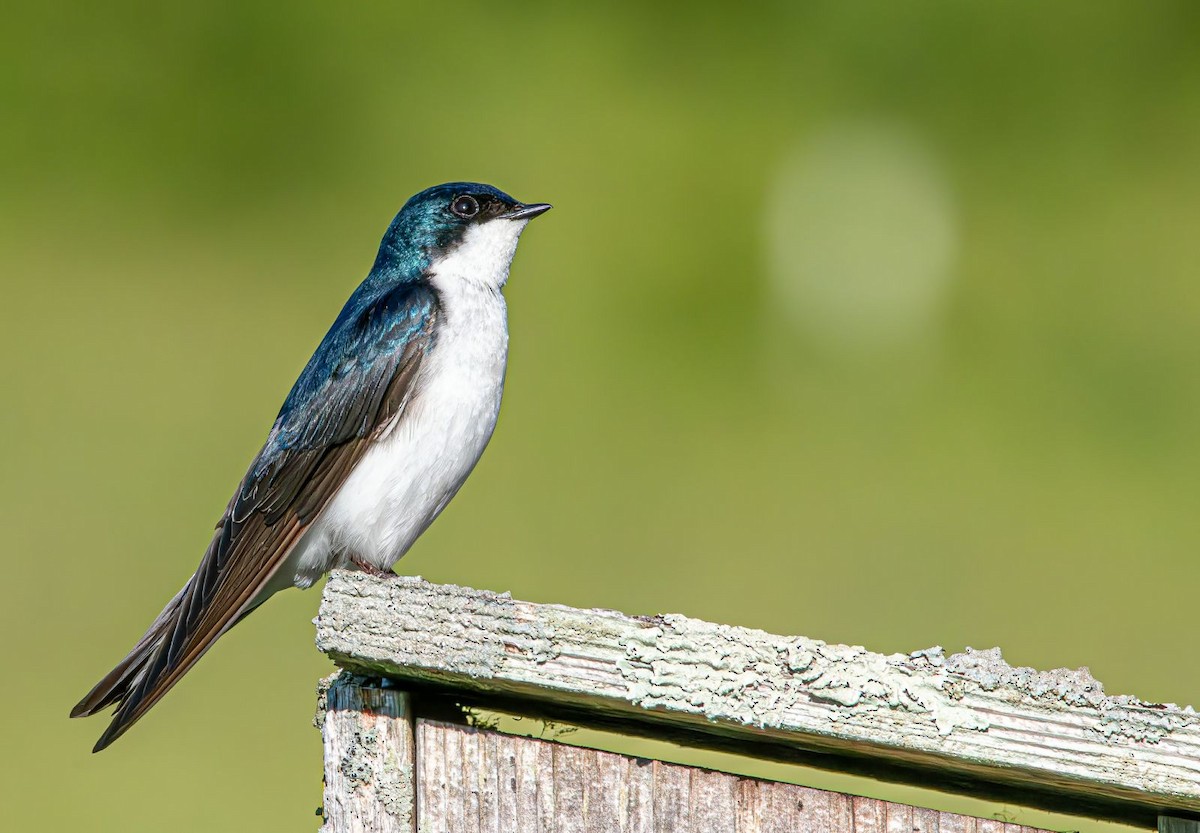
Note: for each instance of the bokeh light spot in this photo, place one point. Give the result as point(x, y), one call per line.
point(860, 236)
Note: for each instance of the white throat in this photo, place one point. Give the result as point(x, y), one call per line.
point(481, 258)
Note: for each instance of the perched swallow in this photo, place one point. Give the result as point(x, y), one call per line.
point(380, 430)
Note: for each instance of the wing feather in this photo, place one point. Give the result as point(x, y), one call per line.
point(358, 381)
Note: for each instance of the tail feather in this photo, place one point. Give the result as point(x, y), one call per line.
point(130, 672)
point(153, 666)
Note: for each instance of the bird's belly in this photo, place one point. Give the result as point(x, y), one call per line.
point(407, 477)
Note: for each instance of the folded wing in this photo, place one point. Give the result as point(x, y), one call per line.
point(359, 380)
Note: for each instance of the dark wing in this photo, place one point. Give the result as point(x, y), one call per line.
point(359, 379)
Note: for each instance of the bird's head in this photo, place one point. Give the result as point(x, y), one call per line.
point(465, 228)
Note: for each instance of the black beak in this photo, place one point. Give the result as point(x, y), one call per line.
point(526, 212)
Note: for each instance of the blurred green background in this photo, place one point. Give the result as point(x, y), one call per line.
point(872, 322)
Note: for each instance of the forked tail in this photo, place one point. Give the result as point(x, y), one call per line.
point(127, 684)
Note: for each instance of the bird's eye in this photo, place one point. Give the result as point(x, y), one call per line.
point(465, 206)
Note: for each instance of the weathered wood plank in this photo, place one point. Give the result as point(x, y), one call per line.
point(591, 791)
point(1166, 824)
point(368, 735)
point(968, 722)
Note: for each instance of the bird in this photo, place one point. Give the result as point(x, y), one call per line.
point(378, 433)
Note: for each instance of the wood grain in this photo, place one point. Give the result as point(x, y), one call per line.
point(478, 781)
point(968, 723)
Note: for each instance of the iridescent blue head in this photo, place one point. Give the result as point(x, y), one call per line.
point(435, 222)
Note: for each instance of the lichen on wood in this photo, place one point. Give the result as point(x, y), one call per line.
point(368, 734)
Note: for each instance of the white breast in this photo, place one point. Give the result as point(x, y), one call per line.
point(405, 480)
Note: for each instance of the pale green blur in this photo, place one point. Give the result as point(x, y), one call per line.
point(999, 445)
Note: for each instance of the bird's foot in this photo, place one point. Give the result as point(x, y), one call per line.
point(371, 569)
